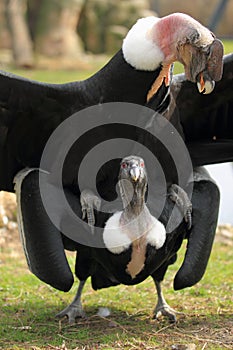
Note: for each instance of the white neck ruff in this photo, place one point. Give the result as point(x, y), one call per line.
point(139, 50)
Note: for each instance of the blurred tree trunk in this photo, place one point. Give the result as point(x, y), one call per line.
point(33, 11)
point(56, 32)
point(21, 42)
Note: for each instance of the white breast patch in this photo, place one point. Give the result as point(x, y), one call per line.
point(117, 241)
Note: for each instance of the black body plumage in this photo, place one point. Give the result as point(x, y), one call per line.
point(31, 111)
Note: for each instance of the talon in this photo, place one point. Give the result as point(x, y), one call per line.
point(165, 310)
point(72, 312)
point(180, 197)
point(89, 201)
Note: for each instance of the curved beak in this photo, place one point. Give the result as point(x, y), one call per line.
point(134, 172)
point(203, 65)
point(204, 83)
point(213, 70)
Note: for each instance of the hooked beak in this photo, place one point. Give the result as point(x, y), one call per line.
point(214, 68)
point(205, 86)
point(134, 173)
point(203, 66)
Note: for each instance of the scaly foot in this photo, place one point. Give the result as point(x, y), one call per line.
point(72, 312)
point(164, 310)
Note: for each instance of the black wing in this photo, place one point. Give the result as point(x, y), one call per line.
point(207, 120)
point(207, 126)
point(29, 112)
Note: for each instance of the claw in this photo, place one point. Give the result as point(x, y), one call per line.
point(180, 197)
point(165, 310)
point(72, 312)
point(89, 201)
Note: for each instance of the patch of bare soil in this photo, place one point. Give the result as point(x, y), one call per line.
point(224, 234)
point(9, 235)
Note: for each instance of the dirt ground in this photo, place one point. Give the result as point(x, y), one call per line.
point(9, 235)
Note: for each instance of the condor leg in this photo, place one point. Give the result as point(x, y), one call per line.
point(162, 308)
point(75, 309)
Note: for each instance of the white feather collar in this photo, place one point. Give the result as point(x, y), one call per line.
point(139, 50)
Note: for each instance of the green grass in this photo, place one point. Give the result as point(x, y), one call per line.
point(28, 307)
point(55, 76)
point(59, 76)
point(228, 46)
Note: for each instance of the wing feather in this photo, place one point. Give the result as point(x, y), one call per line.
point(207, 120)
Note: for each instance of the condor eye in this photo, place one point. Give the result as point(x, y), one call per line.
point(142, 164)
point(124, 165)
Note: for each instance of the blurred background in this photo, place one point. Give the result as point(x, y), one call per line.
point(64, 40)
point(68, 30)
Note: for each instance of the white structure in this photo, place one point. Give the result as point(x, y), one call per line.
point(223, 175)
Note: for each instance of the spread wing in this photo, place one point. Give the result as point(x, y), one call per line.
point(207, 120)
point(207, 126)
point(29, 112)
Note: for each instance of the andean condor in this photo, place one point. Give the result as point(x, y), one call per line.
point(136, 242)
point(139, 73)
